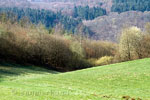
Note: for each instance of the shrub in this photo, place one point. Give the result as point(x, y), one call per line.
point(145, 46)
point(42, 49)
point(97, 49)
point(92, 61)
point(117, 58)
point(35, 46)
point(11, 47)
point(104, 60)
point(77, 48)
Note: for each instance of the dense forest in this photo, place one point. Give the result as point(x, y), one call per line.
point(46, 17)
point(78, 21)
point(50, 19)
point(87, 12)
point(127, 5)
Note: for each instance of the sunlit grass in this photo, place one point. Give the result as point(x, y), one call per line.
point(111, 82)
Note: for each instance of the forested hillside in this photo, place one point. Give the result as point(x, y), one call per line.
point(48, 18)
point(55, 5)
point(109, 27)
point(69, 15)
point(127, 5)
point(87, 12)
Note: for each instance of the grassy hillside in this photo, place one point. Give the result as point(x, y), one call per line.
point(111, 82)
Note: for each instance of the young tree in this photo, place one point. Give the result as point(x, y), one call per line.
point(3, 17)
point(59, 29)
point(129, 46)
point(24, 22)
point(147, 28)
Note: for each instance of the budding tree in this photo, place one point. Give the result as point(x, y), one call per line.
point(130, 46)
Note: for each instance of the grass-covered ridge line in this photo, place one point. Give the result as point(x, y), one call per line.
point(111, 82)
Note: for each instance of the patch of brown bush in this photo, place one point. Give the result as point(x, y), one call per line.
point(22, 46)
point(97, 49)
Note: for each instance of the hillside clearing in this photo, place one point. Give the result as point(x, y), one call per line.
point(110, 82)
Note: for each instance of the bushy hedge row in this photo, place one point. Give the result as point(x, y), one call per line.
point(35, 46)
point(97, 49)
point(41, 49)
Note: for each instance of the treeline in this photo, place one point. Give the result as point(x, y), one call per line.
point(127, 5)
point(87, 12)
point(64, 52)
point(46, 17)
point(34, 45)
point(51, 19)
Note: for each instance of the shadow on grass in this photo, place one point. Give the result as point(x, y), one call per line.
point(0, 78)
point(15, 70)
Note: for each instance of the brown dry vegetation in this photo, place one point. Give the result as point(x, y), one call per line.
point(29, 44)
point(33, 45)
point(97, 49)
point(24, 45)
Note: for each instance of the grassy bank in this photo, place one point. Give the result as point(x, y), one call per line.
point(111, 82)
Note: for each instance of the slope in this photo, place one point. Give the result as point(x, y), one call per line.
point(111, 82)
point(56, 5)
point(109, 27)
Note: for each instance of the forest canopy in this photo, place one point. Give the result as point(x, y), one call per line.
point(127, 5)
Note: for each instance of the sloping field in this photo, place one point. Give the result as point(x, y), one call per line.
point(112, 82)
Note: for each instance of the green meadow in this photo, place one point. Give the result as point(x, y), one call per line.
point(122, 81)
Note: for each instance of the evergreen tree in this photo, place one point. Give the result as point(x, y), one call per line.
point(127, 5)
